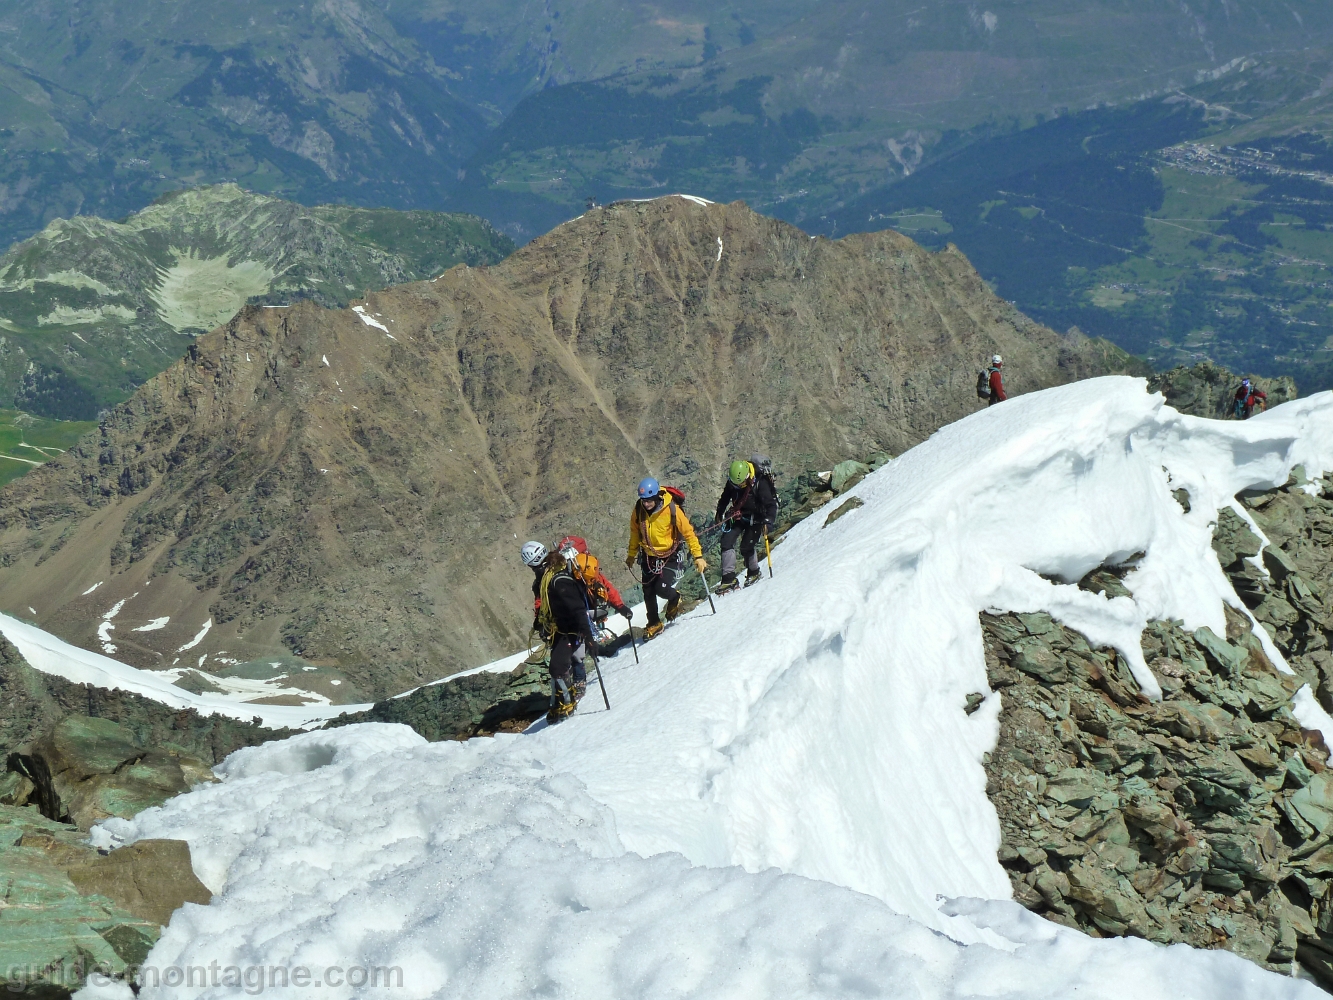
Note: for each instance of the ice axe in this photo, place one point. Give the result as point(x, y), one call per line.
point(768, 551)
point(707, 590)
point(632, 645)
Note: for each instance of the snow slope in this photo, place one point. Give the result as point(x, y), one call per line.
point(480, 872)
point(814, 726)
point(51, 655)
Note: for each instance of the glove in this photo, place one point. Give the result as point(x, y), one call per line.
point(625, 612)
point(701, 564)
point(629, 562)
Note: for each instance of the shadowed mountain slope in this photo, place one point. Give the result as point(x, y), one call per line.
point(352, 486)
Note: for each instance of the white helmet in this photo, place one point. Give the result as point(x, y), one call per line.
point(533, 553)
point(995, 359)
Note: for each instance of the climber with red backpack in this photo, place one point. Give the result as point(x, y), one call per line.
point(565, 626)
point(605, 596)
point(659, 536)
point(1248, 396)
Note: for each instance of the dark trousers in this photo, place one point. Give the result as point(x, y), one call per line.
point(748, 535)
point(564, 661)
point(660, 578)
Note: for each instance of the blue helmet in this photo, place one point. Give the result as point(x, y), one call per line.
point(648, 488)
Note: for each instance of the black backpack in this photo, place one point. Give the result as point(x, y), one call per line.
point(983, 384)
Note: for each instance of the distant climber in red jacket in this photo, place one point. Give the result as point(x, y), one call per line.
point(1248, 396)
point(997, 393)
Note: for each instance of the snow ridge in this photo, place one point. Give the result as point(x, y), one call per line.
point(814, 727)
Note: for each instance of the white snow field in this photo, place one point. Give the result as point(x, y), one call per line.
point(786, 799)
point(52, 655)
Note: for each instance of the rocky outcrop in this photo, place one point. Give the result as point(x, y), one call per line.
point(151, 879)
point(1292, 595)
point(351, 487)
point(86, 770)
point(66, 910)
point(32, 702)
point(1208, 390)
point(479, 704)
point(51, 934)
point(1206, 817)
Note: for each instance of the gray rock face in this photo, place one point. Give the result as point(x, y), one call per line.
point(1207, 390)
point(1206, 818)
point(1165, 821)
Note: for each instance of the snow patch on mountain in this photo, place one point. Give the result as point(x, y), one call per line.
point(51, 655)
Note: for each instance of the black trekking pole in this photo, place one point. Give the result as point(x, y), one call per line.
point(632, 644)
point(597, 664)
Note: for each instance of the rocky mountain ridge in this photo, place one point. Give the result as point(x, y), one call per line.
point(1206, 817)
point(350, 486)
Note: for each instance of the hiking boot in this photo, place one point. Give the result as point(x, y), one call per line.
point(753, 577)
point(559, 712)
point(673, 608)
point(577, 690)
point(653, 630)
point(728, 584)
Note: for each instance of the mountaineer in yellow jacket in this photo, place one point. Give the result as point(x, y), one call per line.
point(657, 529)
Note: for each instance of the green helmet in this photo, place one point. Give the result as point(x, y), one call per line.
point(740, 472)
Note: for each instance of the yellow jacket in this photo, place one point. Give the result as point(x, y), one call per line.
point(656, 536)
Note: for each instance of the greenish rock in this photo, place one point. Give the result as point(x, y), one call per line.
point(1073, 786)
point(1115, 906)
point(460, 708)
point(47, 925)
point(1193, 721)
point(86, 770)
point(1278, 563)
point(1276, 611)
point(1222, 767)
point(1318, 863)
point(1226, 656)
point(879, 459)
point(1104, 581)
point(1298, 774)
point(1233, 539)
point(1314, 802)
point(1241, 853)
point(1267, 692)
point(1227, 881)
point(15, 789)
point(847, 474)
point(32, 702)
point(1040, 661)
point(846, 507)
